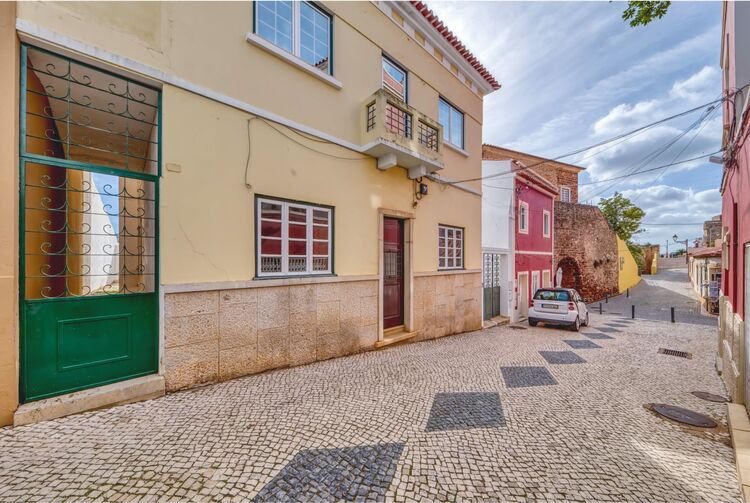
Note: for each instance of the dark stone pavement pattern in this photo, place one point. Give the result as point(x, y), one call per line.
point(462, 411)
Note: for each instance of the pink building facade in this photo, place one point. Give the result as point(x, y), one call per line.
point(734, 300)
point(534, 237)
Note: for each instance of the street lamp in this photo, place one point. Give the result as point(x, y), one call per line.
point(674, 238)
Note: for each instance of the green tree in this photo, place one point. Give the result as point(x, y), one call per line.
point(624, 218)
point(643, 12)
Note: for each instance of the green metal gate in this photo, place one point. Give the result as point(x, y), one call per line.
point(491, 282)
point(90, 157)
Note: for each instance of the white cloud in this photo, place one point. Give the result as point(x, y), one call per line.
point(699, 87)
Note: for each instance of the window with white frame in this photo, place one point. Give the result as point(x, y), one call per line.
point(299, 28)
point(450, 247)
point(565, 194)
point(394, 78)
point(546, 217)
point(534, 283)
point(546, 279)
point(523, 217)
point(293, 238)
point(452, 121)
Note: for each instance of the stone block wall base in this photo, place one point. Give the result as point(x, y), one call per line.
point(132, 390)
point(739, 427)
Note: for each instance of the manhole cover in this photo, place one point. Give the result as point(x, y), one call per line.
point(684, 416)
point(710, 396)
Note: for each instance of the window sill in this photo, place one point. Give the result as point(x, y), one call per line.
point(293, 60)
point(456, 149)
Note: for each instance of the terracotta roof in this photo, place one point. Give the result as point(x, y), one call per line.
point(455, 42)
point(515, 154)
point(705, 252)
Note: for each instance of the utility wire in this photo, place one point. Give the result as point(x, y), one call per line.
point(599, 144)
point(634, 170)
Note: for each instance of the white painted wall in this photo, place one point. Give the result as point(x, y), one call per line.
point(497, 206)
point(497, 226)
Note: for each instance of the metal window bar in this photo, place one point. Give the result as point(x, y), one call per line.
point(427, 136)
point(371, 116)
point(397, 121)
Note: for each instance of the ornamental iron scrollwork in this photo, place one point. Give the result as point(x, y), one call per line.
point(82, 114)
point(87, 233)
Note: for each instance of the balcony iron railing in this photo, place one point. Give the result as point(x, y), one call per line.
point(393, 128)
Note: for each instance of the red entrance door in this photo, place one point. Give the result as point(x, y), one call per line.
point(393, 272)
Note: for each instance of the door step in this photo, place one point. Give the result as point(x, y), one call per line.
point(394, 335)
point(132, 390)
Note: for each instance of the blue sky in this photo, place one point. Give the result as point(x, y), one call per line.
point(574, 73)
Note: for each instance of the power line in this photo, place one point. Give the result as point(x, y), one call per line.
point(599, 144)
point(650, 169)
point(633, 170)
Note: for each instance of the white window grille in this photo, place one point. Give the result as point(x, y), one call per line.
point(450, 247)
point(293, 238)
point(565, 194)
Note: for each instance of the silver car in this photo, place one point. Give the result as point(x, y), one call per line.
point(558, 306)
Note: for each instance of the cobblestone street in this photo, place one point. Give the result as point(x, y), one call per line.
point(503, 414)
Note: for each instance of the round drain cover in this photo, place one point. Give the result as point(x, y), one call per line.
point(710, 396)
point(684, 416)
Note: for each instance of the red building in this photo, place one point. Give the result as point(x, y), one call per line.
point(533, 236)
point(735, 191)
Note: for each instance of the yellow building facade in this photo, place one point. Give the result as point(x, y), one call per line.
point(277, 183)
point(628, 275)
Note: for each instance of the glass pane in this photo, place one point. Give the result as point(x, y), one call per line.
point(394, 79)
point(87, 234)
point(271, 211)
point(444, 118)
point(320, 248)
point(297, 264)
point(297, 247)
point(314, 37)
point(274, 22)
point(298, 231)
point(270, 229)
point(320, 232)
point(441, 252)
point(81, 114)
point(450, 262)
point(457, 128)
point(270, 246)
point(320, 264)
point(270, 264)
point(320, 216)
point(297, 214)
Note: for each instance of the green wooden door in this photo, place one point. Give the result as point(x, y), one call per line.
point(89, 226)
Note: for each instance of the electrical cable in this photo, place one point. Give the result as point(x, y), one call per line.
point(603, 142)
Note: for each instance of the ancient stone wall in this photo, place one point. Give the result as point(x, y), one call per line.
point(586, 249)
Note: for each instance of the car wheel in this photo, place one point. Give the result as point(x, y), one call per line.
point(577, 325)
point(532, 323)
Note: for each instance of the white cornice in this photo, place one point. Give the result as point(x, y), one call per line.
point(408, 12)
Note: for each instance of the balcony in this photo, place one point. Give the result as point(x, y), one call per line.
point(399, 135)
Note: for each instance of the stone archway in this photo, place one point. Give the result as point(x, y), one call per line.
point(571, 273)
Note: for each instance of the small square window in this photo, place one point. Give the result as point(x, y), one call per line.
point(450, 247)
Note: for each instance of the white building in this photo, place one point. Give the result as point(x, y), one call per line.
point(497, 239)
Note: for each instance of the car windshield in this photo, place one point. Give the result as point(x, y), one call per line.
point(560, 295)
